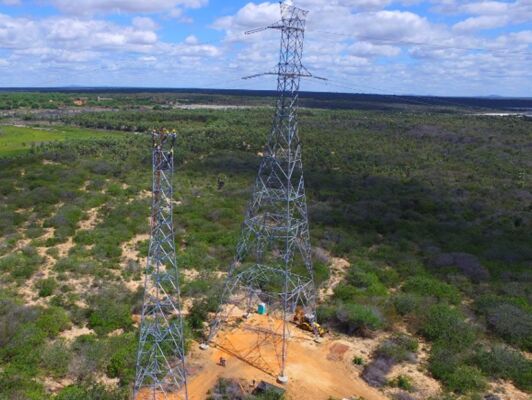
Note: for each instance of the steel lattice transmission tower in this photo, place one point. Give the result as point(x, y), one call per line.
point(273, 258)
point(161, 356)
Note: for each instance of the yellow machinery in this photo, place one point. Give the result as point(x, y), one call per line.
point(305, 322)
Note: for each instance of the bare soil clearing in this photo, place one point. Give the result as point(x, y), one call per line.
point(252, 356)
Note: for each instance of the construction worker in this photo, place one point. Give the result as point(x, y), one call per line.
point(222, 361)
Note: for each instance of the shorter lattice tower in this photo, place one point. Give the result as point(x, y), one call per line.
point(273, 267)
point(160, 367)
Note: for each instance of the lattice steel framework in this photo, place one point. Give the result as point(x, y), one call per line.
point(161, 358)
point(273, 258)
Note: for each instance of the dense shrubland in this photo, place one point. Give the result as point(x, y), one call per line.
point(431, 210)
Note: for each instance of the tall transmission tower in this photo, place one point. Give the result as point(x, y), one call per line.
point(273, 262)
point(161, 356)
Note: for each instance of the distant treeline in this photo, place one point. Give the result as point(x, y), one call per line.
point(316, 99)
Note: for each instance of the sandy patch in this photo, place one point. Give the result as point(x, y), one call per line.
point(49, 162)
point(189, 274)
point(136, 319)
point(80, 286)
point(507, 391)
point(65, 247)
point(75, 332)
point(134, 286)
point(21, 244)
point(53, 385)
point(186, 305)
point(85, 185)
point(144, 194)
point(106, 381)
point(338, 269)
point(29, 295)
point(130, 253)
point(91, 221)
point(116, 332)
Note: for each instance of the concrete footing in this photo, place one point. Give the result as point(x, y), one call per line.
point(282, 379)
point(204, 346)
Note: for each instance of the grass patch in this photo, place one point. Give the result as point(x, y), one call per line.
point(15, 140)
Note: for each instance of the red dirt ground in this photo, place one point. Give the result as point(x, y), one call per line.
point(315, 371)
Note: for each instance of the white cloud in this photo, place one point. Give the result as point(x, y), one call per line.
point(191, 40)
point(71, 46)
point(144, 23)
point(148, 59)
point(366, 49)
point(97, 35)
point(368, 41)
point(482, 22)
point(10, 2)
point(17, 33)
point(392, 25)
point(486, 7)
point(364, 4)
point(250, 16)
point(487, 14)
point(359, 42)
point(358, 5)
point(88, 7)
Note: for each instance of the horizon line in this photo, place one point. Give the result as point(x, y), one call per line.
point(74, 88)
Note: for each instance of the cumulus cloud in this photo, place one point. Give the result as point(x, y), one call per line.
point(85, 7)
point(379, 43)
point(366, 49)
point(488, 14)
point(482, 22)
point(144, 23)
point(51, 50)
point(371, 41)
point(250, 16)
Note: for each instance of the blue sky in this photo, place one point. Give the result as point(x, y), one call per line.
point(440, 47)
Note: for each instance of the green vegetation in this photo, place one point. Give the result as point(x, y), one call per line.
point(403, 382)
point(22, 264)
point(110, 310)
point(427, 286)
point(430, 209)
point(46, 287)
point(15, 140)
point(358, 360)
point(505, 363)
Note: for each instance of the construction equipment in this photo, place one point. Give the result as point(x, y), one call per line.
point(306, 322)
